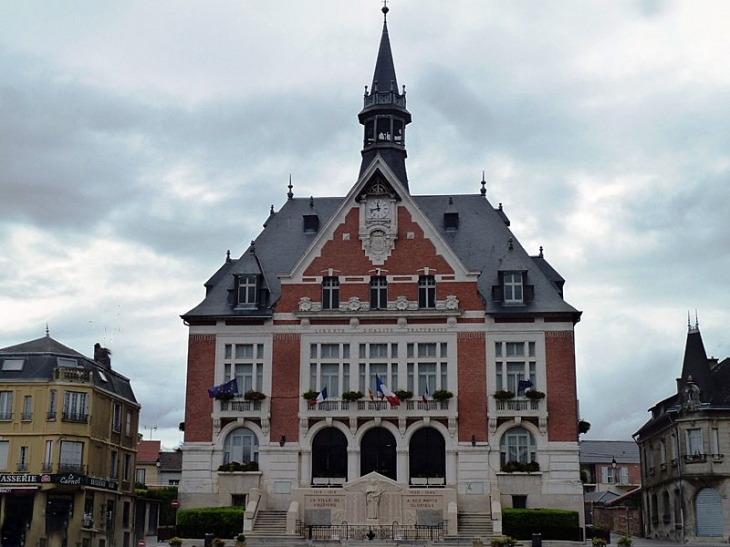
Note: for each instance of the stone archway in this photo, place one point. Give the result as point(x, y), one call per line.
point(378, 453)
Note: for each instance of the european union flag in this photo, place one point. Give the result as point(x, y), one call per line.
point(229, 388)
point(522, 386)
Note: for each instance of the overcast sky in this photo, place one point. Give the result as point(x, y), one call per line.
point(141, 140)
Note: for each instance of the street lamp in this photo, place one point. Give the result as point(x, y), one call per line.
point(613, 466)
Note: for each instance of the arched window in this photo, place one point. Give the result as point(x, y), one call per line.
point(377, 453)
point(241, 445)
point(329, 454)
point(427, 454)
point(517, 445)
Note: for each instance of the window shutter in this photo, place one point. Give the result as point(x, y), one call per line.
point(604, 475)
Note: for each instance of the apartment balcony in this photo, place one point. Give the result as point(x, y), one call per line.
point(240, 408)
point(521, 407)
point(78, 468)
point(365, 408)
point(70, 374)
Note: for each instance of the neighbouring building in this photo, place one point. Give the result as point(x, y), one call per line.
point(608, 465)
point(685, 476)
point(341, 303)
point(148, 463)
point(68, 439)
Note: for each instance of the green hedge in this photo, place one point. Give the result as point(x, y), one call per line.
point(552, 524)
point(222, 522)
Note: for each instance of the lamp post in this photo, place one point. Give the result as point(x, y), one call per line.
point(613, 466)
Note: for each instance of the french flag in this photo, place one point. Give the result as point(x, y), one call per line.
point(424, 397)
point(385, 392)
point(321, 397)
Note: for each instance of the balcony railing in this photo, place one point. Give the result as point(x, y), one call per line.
point(70, 374)
point(71, 467)
point(75, 417)
point(367, 407)
point(240, 406)
point(518, 405)
point(695, 458)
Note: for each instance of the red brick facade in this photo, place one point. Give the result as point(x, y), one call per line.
point(561, 380)
point(285, 390)
point(472, 373)
point(201, 376)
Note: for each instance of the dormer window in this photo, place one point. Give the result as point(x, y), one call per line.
point(513, 293)
point(330, 293)
point(426, 291)
point(247, 291)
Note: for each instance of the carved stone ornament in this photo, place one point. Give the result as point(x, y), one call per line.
point(305, 303)
point(401, 303)
point(452, 303)
point(378, 245)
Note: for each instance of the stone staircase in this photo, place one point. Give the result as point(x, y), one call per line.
point(269, 525)
point(473, 525)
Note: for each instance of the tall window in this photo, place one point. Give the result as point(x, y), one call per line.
point(48, 457)
point(114, 465)
point(117, 418)
point(517, 445)
point(141, 475)
point(52, 396)
point(4, 447)
point(76, 406)
point(247, 291)
point(513, 288)
point(329, 453)
point(329, 367)
point(71, 457)
point(330, 293)
point(381, 360)
point(426, 291)
point(6, 405)
point(514, 363)
point(27, 407)
point(128, 424)
point(378, 293)
point(241, 445)
point(715, 441)
point(427, 366)
point(694, 442)
point(245, 363)
point(23, 459)
point(127, 467)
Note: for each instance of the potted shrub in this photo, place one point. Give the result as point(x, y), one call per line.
point(442, 395)
point(534, 394)
point(218, 542)
point(174, 542)
point(403, 394)
point(352, 395)
point(624, 541)
point(310, 395)
point(503, 394)
point(240, 540)
point(504, 541)
point(254, 395)
point(598, 542)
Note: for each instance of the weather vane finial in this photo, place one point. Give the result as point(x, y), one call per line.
point(385, 9)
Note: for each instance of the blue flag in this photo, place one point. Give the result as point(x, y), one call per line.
point(522, 386)
point(228, 388)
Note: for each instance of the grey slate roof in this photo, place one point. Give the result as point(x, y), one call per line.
point(592, 452)
point(714, 384)
point(481, 242)
point(41, 358)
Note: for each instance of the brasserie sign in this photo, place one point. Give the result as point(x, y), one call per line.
point(71, 479)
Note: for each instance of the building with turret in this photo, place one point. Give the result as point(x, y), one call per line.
point(685, 476)
point(397, 357)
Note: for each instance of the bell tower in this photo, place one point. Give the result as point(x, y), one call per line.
point(384, 114)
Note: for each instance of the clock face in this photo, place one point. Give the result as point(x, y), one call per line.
point(378, 208)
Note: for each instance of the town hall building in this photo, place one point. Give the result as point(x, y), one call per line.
point(398, 357)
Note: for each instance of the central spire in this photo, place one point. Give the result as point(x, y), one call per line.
point(384, 113)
